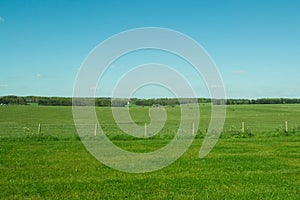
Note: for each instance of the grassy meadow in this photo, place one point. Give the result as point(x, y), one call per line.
point(263, 162)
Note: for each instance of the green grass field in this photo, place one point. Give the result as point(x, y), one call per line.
point(261, 163)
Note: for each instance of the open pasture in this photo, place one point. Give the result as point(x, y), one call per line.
point(263, 162)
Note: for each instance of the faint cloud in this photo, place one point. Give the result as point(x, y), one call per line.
point(1, 19)
point(217, 86)
point(38, 75)
point(238, 72)
point(93, 88)
point(3, 85)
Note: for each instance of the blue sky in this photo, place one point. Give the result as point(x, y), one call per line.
point(255, 44)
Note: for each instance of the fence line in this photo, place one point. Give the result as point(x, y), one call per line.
point(42, 129)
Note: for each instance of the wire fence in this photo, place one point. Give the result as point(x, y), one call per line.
point(64, 131)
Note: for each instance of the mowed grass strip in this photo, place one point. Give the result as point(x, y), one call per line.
point(236, 168)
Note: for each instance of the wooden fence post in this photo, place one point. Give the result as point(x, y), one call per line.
point(95, 130)
point(145, 130)
point(193, 131)
point(243, 127)
point(39, 130)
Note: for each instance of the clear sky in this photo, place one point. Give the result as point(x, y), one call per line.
point(255, 44)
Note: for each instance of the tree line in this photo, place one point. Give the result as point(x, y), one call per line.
point(105, 101)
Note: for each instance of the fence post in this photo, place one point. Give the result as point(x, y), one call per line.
point(286, 126)
point(39, 130)
point(193, 131)
point(243, 127)
point(95, 130)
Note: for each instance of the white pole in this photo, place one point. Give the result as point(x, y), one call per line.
point(243, 127)
point(39, 129)
point(193, 132)
point(145, 130)
point(95, 130)
point(286, 126)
